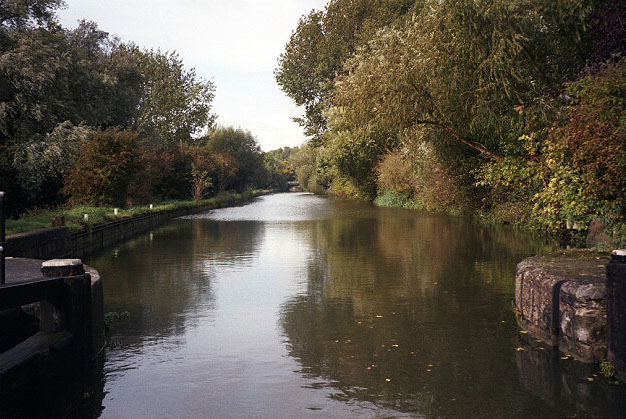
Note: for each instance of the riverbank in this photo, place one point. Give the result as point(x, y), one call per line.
point(595, 236)
point(65, 241)
point(74, 218)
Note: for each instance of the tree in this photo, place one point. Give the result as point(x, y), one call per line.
point(280, 170)
point(176, 104)
point(452, 76)
point(319, 46)
point(20, 14)
point(104, 168)
point(244, 148)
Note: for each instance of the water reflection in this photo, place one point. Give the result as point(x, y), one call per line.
point(411, 313)
point(298, 306)
point(574, 387)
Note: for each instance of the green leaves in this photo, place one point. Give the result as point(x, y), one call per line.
point(176, 105)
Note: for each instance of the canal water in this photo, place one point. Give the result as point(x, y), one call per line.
point(296, 306)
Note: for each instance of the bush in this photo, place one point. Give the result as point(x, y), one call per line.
point(104, 168)
point(163, 174)
point(584, 160)
point(394, 173)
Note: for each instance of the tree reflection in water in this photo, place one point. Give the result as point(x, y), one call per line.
point(411, 313)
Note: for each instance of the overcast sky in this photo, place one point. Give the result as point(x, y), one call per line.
point(236, 43)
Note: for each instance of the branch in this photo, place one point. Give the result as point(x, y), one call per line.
point(462, 139)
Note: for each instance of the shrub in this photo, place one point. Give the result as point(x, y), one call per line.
point(395, 173)
point(104, 168)
point(163, 174)
point(584, 160)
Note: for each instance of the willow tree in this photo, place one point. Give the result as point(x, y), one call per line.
point(456, 75)
point(319, 47)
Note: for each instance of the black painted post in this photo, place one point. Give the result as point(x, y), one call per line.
point(2, 238)
point(616, 311)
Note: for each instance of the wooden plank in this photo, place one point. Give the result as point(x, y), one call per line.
point(17, 294)
point(36, 345)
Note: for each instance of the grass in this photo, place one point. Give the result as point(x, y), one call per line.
point(391, 199)
point(75, 216)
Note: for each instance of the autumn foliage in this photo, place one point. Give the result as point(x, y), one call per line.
point(104, 168)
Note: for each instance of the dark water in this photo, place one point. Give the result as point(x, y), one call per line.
point(295, 306)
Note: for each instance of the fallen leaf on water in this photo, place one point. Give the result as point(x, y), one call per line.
point(523, 331)
point(378, 316)
point(590, 379)
point(395, 346)
point(428, 370)
point(565, 357)
point(387, 379)
point(431, 365)
point(519, 349)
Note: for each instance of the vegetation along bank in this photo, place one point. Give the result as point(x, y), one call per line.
point(106, 124)
point(511, 111)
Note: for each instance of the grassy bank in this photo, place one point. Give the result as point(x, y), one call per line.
point(75, 216)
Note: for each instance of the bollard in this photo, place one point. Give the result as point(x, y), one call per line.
point(616, 311)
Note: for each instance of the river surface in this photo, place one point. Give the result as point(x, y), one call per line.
point(296, 306)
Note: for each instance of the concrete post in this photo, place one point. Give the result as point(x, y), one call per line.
point(62, 267)
point(616, 311)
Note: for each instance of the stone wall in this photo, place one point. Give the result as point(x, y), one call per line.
point(561, 299)
point(59, 242)
point(47, 243)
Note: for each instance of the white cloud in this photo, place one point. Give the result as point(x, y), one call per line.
point(236, 43)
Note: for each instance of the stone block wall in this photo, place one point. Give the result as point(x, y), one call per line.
point(47, 243)
point(561, 300)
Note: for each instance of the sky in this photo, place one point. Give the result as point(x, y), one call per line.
point(235, 43)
